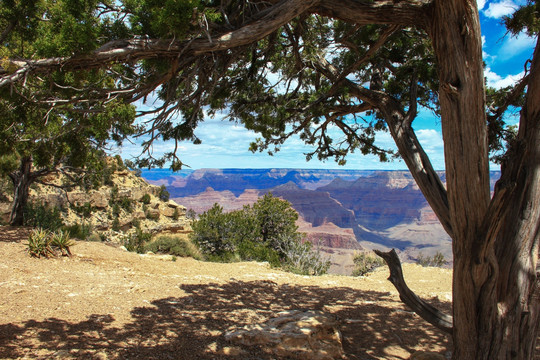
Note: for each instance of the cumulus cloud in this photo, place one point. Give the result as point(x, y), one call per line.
point(481, 4)
point(499, 9)
point(496, 81)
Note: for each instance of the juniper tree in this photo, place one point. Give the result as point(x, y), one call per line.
point(40, 136)
point(357, 66)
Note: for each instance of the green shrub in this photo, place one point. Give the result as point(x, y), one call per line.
point(136, 241)
point(301, 258)
point(163, 193)
point(211, 233)
point(78, 231)
point(95, 237)
point(152, 215)
point(114, 195)
point(366, 263)
point(39, 243)
point(84, 210)
point(145, 199)
point(115, 226)
point(116, 209)
point(176, 246)
point(436, 260)
point(253, 251)
point(62, 241)
point(264, 232)
point(41, 216)
point(175, 214)
point(127, 205)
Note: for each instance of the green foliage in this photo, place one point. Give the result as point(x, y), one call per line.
point(365, 263)
point(152, 215)
point(145, 199)
point(115, 226)
point(84, 210)
point(436, 260)
point(264, 232)
point(62, 241)
point(211, 234)
point(526, 18)
point(41, 216)
point(127, 204)
point(43, 242)
point(175, 214)
point(176, 246)
point(78, 231)
point(136, 241)
point(163, 194)
point(95, 237)
point(300, 258)
point(39, 244)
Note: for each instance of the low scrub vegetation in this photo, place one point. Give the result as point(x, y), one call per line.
point(44, 243)
point(265, 231)
point(137, 241)
point(44, 217)
point(436, 260)
point(174, 245)
point(365, 263)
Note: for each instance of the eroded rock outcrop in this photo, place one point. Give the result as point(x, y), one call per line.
point(126, 203)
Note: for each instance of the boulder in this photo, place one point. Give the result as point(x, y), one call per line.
point(99, 199)
point(309, 335)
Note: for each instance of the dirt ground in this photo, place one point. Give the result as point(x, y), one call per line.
point(106, 303)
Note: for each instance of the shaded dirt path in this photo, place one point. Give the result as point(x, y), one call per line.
point(105, 303)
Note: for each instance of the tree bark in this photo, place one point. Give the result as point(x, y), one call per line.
point(517, 241)
point(22, 179)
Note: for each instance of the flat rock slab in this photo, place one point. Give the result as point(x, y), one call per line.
point(309, 335)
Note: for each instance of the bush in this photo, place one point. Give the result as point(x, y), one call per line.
point(145, 199)
point(436, 260)
point(163, 193)
point(39, 243)
point(84, 210)
point(176, 246)
point(366, 263)
point(136, 241)
point(41, 216)
point(62, 241)
point(176, 214)
point(127, 205)
point(300, 258)
point(78, 231)
point(264, 232)
point(95, 237)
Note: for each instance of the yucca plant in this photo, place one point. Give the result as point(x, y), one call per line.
point(39, 243)
point(62, 241)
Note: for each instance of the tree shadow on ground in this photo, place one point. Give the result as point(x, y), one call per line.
point(14, 234)
point(374, 325)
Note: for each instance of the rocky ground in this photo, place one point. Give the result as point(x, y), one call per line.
point(105, 303)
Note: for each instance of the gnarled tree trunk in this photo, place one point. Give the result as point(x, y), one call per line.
point(495, 242)
point(22, 179)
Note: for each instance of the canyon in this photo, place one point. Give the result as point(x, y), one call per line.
point(340, 211)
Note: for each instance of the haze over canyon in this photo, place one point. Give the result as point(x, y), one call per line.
point(341, 211)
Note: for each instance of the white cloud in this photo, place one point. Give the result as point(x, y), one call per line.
point(516, 45)
point(496, 81)
point(481, 4)
point(499, 9)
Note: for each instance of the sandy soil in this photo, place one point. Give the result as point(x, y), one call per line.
point(105, 303)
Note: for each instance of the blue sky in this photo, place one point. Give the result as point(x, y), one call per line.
point(225, 145)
